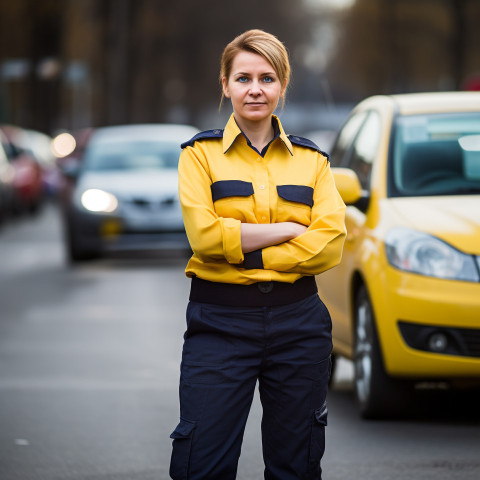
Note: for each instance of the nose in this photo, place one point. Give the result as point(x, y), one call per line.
point(255, 88)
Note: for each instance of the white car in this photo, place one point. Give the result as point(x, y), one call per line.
point(126, 192)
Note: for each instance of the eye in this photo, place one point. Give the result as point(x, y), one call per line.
point(242, 79)
point(268, 79)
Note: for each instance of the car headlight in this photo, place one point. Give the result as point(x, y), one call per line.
point(96, 200)
point(424, 254)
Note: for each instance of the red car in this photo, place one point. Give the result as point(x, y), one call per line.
point(28, 174)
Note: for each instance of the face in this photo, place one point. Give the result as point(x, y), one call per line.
point(253, 87)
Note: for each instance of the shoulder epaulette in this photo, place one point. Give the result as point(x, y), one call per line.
point(305, 142)
point(203, 136)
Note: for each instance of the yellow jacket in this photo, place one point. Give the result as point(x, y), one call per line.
point(223, 182)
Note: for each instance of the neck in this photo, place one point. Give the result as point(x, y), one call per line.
point(259, 133)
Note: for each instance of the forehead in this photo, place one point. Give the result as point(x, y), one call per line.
point(250, 62)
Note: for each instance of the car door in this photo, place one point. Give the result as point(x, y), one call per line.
point(355, 148)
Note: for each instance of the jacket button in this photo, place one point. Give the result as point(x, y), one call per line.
point(262, 187)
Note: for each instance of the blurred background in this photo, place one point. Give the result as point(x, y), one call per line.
point(69, 64)
point(75, 65)
point(90, 351)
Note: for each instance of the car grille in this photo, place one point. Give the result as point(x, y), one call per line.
point(140, 202)
point(146, 204)
point(471, 340)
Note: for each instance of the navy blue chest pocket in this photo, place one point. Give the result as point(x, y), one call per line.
point(233, 199)
point(294, 204)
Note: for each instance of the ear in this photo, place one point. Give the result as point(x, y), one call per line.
point(225, 87)
point(284, 89)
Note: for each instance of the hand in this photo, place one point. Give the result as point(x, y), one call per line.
point(296, 229)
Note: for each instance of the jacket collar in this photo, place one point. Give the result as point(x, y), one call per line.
point(232, 131)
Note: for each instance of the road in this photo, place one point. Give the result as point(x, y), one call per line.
point(89, 361)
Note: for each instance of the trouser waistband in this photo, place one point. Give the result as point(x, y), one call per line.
point(259, 294)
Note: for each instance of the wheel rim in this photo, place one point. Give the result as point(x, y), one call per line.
point(363, 351)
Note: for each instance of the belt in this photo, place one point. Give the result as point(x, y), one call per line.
point(259, 294)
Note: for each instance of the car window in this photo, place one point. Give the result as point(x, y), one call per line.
point(436, 155)
point(365, 148)
point(345, 139)
point(132, 155)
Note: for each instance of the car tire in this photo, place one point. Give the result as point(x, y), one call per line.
point(34, 207)
point(76, 254)
point(377, 394)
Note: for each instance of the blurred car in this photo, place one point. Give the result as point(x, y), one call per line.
point(72, 148)
point(7, 191)
point(405, 299)
point(38, 145)
point(27, 172)
point(69, 162)
point(126, 192)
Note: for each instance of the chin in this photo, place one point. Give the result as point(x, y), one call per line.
point(256, 116)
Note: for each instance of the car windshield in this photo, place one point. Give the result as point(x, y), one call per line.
point(132, 155)
point(436, 155)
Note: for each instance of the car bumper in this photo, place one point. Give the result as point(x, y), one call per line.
point(112, 233)
point(427, 306)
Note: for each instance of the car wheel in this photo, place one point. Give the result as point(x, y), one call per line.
point(3, 210)
point(34, 207)
point(377, 394)
point(75, 253)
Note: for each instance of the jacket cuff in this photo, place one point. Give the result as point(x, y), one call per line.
point(232, 243)
point(253, 260)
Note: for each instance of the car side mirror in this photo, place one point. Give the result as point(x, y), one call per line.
point(348, 185)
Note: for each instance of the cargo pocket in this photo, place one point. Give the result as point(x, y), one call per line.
point(317, 441)
point(182, 444)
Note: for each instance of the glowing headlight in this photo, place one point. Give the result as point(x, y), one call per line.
point(424, 254)
point(63, 145)
point(99, 201)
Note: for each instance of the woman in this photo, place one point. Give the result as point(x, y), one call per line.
point(263, 216)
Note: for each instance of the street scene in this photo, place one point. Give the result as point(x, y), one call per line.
point(89, 367)
point(306, 173)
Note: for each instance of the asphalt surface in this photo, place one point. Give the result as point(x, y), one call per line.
point(89, 361)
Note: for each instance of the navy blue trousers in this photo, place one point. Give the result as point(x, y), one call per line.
point(226, 351)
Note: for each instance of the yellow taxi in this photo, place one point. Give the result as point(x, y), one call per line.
point(405, 299)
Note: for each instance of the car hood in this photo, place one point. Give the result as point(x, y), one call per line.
point(454, 219)
point(151, 183)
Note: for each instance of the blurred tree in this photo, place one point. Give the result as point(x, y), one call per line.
point(77, 63)
point(159, 60)
point(29, 74)
point(392, 46)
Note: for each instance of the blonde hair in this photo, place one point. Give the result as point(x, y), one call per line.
point(261, 43)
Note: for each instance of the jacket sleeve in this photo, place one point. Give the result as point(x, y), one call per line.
point(320, 247)
point(212, 238)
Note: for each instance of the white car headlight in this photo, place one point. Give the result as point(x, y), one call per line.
point(96, 200)
point(424, 254)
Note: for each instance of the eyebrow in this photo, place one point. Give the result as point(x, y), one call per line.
point(262, 74)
